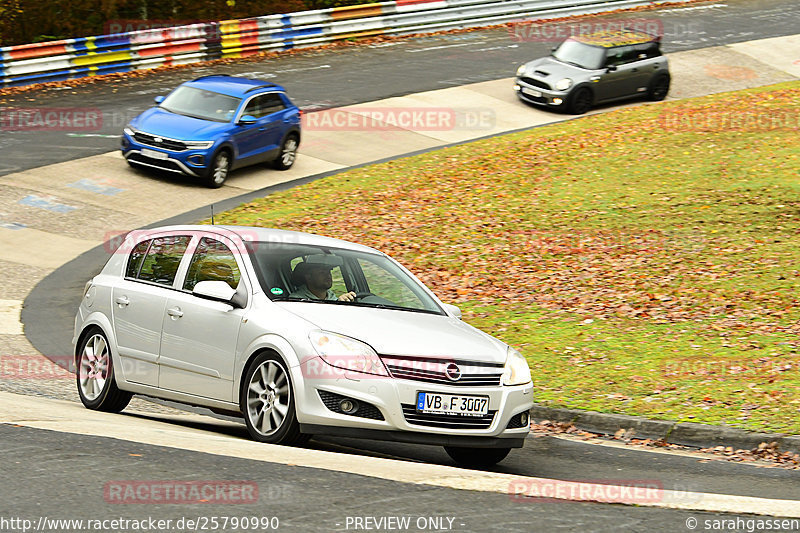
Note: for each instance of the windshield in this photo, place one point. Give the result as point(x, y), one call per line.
point(200, 103)
point(318, 274)
point(580, 54)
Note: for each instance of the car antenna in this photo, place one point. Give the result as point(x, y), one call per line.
point(212, 214)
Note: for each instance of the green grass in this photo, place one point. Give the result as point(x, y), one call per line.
point(642, 265)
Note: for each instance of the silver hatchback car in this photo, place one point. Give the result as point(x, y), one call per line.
point(300, 335)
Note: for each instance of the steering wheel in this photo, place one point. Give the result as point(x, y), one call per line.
point(362, 295)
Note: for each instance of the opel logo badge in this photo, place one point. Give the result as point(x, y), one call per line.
point(452, 372)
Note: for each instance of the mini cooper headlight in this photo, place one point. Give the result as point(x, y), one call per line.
point(564, 84)
point(516, 370)
point(521, 71)
point(347, 353)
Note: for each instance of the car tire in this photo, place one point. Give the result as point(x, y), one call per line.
point(97, 386)
point(288, 153)
point(658, 88)
point(580, 101)
point(218, 170)
point(267, 401)
point(477, 457)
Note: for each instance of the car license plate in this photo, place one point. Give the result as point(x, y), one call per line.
point(531, 92)
point(451, 404)
point(154, 154)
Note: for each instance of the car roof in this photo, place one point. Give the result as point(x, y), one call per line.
point(233, 85)
point(614, 38)
point(256, 234)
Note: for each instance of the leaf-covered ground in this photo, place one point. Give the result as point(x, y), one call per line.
point(645, 260)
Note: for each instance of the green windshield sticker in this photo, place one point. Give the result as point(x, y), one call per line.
point(276, 290)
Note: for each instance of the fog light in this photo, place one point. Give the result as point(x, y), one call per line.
point(348, 407)
point(523, 418)
point(196, 159)
point(516, 87)
point(124, 143)
point(558, 101)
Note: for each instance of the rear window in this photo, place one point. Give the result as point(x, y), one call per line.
point(160, 264)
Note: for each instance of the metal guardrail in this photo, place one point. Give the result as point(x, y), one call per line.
point(146, 49)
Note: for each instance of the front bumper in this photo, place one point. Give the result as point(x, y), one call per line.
point(395, 400)
point(540, 96)
point(189, 162)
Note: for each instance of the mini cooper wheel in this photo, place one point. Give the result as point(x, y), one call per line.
point(267, 401)
point(581, 101)
point(97, 386)
point(477, 457)
point(218, 170)
point(288, 153)
point(658, 88)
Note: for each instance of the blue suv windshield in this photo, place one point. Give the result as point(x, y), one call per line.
point(199, 103)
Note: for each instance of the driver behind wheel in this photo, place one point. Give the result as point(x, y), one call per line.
point(314, 280)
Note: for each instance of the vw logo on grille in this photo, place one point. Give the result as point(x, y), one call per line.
point(157, 139)
point(452, 372)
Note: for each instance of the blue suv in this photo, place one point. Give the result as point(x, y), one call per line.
point(214, 124)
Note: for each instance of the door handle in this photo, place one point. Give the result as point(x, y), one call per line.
point(635, 70)
point(175, 312)
point(122, 301)
point(262, 128)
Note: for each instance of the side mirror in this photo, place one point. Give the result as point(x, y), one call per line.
point(247, 119)
point(215, 290)
point(611, 68)
point(159, 99)
point(453, 310)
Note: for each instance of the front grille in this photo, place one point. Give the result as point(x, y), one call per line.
point(446, 421)
point(150, 140)
point(535, 83)
point(164, 164)
point(539, 99)
point(364, 410)
point(519, 420)
point(430, 370)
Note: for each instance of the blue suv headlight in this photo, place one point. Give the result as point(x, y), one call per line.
point(198, 145)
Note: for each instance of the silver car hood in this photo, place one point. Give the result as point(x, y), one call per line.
point(391, 332)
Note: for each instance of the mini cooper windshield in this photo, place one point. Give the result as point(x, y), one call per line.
point(319, 274)
point(580, 54)
point(199, 103)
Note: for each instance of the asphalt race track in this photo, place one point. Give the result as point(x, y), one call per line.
point(58, 458)
point(338, 77)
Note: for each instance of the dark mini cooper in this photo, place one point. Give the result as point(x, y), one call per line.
point(593, 69)
point(214, 124)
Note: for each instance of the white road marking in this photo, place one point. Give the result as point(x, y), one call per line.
point(438, 47)
point(10, 323)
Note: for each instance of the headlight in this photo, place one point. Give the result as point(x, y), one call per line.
point(347, 353)
point(521, 71)
point(563, 85)
point(198, 145)
point(516, 370)
point(128, 131)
